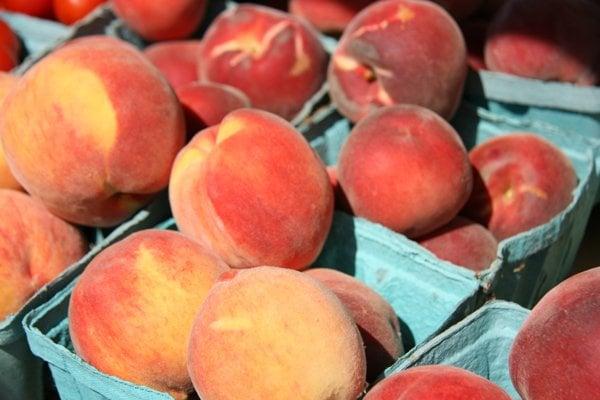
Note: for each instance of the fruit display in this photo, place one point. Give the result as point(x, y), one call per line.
point(239, 295)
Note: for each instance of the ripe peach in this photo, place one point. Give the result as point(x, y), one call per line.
point(92, 131)
point(7, 180)
point(206, 104)
point(158, 20)
point(434, 382)
point(406, 168)
point(35, 247)
point(521, 181)
point(177, 60)
point(546, 39)
point(462, 242)
point(391, 53)
point(252, 190)
point(374, 316)
point(131, 313)
point(328, 15)
point(277, 334)
point(557, 351)
point(275, 58)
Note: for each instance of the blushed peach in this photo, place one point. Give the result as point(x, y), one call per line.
point(35, 247)
point(277, 334)
point(157, 20)
point(406, 168)
point(521, 181)
point(252, 190)
point(131, 312)
point(557, 351)
point(177, 60)
point(546, 39)
point(391, 53)
point(462, 242)
point(206, 104)
point(275, 58)
point(435, 382)
point(92, 131)
point(374, 316)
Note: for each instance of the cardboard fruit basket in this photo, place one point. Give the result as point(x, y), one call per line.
point(480, 343)
point(531, 263)
point(574, 109)
point(427, 297)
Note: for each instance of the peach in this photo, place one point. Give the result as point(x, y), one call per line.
point(521, 181)
point(557, 351)
point(546, 39)
point(462, 242)
point(206, 104)
point(374, 316)
point(406, 168)
point(277, 334)
point(35, 247)
point(391, 53)
point(252, 190)
point(461, 9)
point(275, 58)
point(8, 60)
point(177, 60)
point(7, 180)
point(158, 20)
point(131, 312)
point(328, 15)
point(92, 130)
point(434, 382)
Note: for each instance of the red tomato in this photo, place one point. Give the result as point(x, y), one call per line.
point(36, 8)
point(71, 11)
point(9, 39)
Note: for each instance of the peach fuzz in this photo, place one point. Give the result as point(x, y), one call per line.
point(206, 104)
point(7, 180)
point(273, 57)
point(374, 316)
point(277, 334)
point(406, 168)
point(177, 60)
point(92, 130)
point(557, 351)
point(328, 15)
point(391, 53)
point(520, 181)
point(158, 20)
point(546, 39)
point(35, 247)
point(131, 312)
point(253, 191)
point(462, 242)
point(434, 382)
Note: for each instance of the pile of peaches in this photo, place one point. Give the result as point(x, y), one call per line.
point(96, 129)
